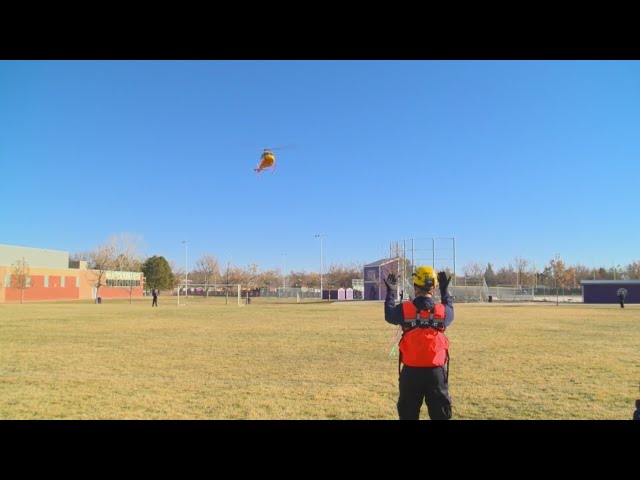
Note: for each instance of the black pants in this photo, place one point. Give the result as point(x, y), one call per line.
point(621, 302)
point(418, 384)
point(155, 302)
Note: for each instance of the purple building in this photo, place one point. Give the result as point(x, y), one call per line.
point(374, 287)
point(606, 291)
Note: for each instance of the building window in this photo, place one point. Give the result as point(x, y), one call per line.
point(7, 280)
point(46, 281)
point(28, 280)
point(77, 281)
point(62, 281)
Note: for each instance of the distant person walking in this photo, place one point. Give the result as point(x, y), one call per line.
point(154, 292)
point(622, 292)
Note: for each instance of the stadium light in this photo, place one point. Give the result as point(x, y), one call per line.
point(284, 271)
point(186, 269)
point(320, 236)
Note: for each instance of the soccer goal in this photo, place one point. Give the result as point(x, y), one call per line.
point(470, 289)
point(232, 292)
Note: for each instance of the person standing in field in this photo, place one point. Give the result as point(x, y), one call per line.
point(154, 292)
point(424, 348)
point(622, 292)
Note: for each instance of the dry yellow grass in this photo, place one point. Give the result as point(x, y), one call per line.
point(209, 360)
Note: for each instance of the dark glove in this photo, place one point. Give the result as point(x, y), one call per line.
point(443, 283)
point(391, 281)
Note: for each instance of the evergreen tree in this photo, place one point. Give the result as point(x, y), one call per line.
point(490, 276)
point(157, 273)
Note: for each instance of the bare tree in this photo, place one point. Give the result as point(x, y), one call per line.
point(633, 270)
point(178, 274)
point(269, 278)
point(101, 260)
point(253, 276)
point(583, 273)
point(505, 276)
point(297, 278)
point(128, 247)
point(558, 274)
point(570, 277)
point(132, 267)
point(520, 267)
point(473, 269)
point(20, 276)
point(533, 272)
point(235, 275)
point(209, 267)
point(342, 276)
point(127, 257)
point(311, 280)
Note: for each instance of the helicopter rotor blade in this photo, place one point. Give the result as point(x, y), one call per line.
point(283, 147)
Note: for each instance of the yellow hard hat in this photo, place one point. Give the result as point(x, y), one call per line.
point(425, 277)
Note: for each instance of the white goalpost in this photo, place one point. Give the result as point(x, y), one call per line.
point(229, 291)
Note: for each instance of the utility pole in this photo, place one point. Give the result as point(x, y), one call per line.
point(320, 236)
point(186, 270)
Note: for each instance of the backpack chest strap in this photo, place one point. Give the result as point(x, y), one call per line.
point(424, 322)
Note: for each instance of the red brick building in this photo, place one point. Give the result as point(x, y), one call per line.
point(52, 276)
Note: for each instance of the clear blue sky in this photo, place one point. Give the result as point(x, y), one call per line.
point(512, 158)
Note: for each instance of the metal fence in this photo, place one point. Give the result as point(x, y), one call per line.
point(509, 293)
point(290, 292)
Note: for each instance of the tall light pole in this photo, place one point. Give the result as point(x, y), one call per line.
point(284, 272)
point(320, 236)
point(186, 269)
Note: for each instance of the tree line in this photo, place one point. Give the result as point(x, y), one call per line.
point(523, 272)
point(123, 253)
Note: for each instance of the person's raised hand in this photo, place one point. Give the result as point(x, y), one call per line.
point(391, 281)
point(443, 283)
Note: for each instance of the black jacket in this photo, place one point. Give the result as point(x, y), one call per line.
point(393, 313)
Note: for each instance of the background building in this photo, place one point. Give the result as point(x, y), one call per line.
point(606, 291)
point(52, 276)
point(374, 273)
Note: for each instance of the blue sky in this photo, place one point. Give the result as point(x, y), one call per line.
point(512, 158)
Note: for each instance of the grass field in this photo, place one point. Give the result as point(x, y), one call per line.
point(210, 360)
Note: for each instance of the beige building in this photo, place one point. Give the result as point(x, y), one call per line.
point(52, 276)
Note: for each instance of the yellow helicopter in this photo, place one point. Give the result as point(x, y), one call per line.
point(267, 160)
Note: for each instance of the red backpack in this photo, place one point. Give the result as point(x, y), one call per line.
point(423, 342)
